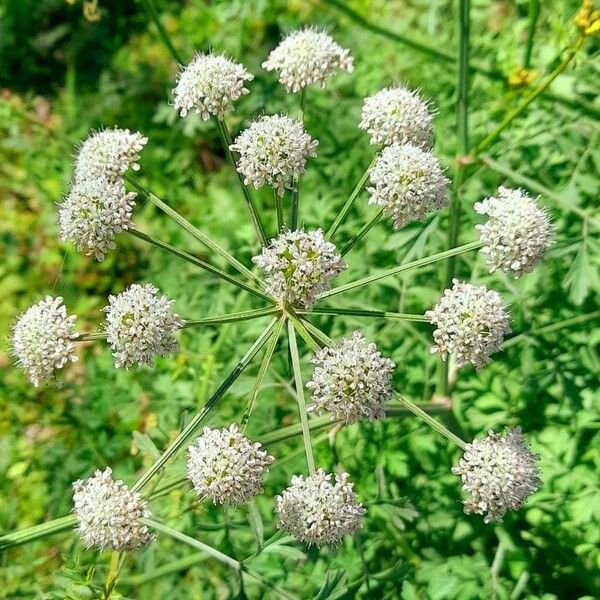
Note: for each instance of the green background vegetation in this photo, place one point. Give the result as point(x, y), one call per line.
point(72, 75)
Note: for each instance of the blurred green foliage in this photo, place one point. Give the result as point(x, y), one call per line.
point(71, 76)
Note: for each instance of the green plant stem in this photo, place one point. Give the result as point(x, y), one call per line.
point(279, 209)
point(360, 312)
point(245, 315)
point(189, 429)
point(301, 329)
point(216, 554)
point(182, 564)
point(164, 36)
point(576, 103)
point(198, 262)
point(533, 14)
point(415, 264)
point(316, 333)
point(37, 532)
point(362, 232)
point(254, 216)
point(487, 141)
point(193, 231)
point(433, 423)
point(88, 337)
point(341, 215)
point(116, 562)
point(264, 365)
point(300, 397)
point(537, 187)
point(296, 180)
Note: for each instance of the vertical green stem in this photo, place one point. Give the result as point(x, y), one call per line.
point(279, 208)
point(296, 180)
point(462, 127)
point(533, 14)
point(362, 232)
point(300, 396)
point(254, 216)
point(166, 40)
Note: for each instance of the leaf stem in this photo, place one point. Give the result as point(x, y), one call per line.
point(362, 232)
point(239, 316)
point(533, 13)
point(37, 532)
point(296, 179)
point(279, 209)
point(359, 312)
point(300, 397)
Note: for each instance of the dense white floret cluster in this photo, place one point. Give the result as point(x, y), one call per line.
point(109, 153)
point(209, 85)
point(498, 472)
point(227, 467)
point(408, 183)
point(471, 321)
point(351, 380)
point(298, 266)
point(108, 513)
point(95, 210)
point(397, 115)
point(140, 325)
point(43, 339)
point(307, 56)
point(320, 508)
point(517, 233)
point(272, 151)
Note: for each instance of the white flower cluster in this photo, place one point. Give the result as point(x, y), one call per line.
point(225, 466)
point(408, 183)
point(351, 380)
point(298, 266)
point(498, 472)
point(43, 339)
point(320, 508)
point(397, 115)
point(307, 56)
point(95, 210)
point(140, 325)
point(471, 322)
point(108, 513)
point(273, 150)
point(517, 233)
point(109, 153)
point(209, 85)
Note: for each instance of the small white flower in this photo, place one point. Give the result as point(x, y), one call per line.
point(209, 85)
point(517, 233)
point(273, 150)
point(351, 380)
point(319, 509)
point(499, 473)
point(43, 339)
point(95, 210)
point(140, 325)
point(307, 56)
point(226, 466)
point(471, 322)
point(109, 153)
point(397, 115)
point(298, 266)
point(108, 513)
point(408, 183)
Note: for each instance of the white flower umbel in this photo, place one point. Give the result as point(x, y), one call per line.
point(471, 322)
point(43, 339)
point(273, 150)
point(307, 57)
point(225, 466)
point(320, 508)
point(351, 380)
point(140, 325)
point(108, 513)
point(408, 183)
point(95, 210)
point(109, 153)
point(498, 472)
point(209, 85)
point(298, 266)
point(397, 115)
point(517, 233)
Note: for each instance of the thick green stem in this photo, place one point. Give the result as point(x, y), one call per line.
point(415, 264)
point(300, 397)
point(360, 312)
point(254, 216)
point(341, 215)
point(301, 329)
point(362, 232)
point(279, 209)
point(193, 231)
point(198, 262)
point(533, 15)
point(296, 180)
point(37, 532)
point(189, 429)
point(245, 315)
